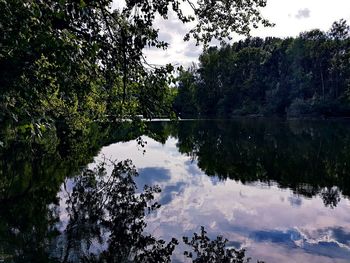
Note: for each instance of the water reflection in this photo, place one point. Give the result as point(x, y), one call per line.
point(106, 219)
point(280, 189)
point(308, 157)
point(277, 188)
point(31, 174)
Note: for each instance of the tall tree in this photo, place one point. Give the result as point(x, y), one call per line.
point(303, 76)
point(76, 59)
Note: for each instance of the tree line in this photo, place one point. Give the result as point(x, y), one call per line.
point(77, 61)
point(308, 75)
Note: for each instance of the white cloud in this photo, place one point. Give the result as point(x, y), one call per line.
point(286, 14)
point(303, 13)
point(282, 12)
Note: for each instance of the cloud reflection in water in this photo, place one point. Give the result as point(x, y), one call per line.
point(273, 223)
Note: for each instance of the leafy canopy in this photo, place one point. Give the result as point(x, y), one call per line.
point(74, 61)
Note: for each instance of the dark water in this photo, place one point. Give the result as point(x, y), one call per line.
point(278, 188)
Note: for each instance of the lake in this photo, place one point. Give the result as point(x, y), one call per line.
point(280, 189)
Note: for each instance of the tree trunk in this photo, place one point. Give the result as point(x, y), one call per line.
point(322, 81)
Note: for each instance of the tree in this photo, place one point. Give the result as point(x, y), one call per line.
point(303, 76)
point(74, 61)
point(185, 104)
point(340, 30)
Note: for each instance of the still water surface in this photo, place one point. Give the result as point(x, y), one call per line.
point(278, 188)
point(274, 188)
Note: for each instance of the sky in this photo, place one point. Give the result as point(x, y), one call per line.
point(290, 16)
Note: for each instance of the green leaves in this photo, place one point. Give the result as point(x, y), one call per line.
point(303, 76)
point(77, 61)
point(218, 19)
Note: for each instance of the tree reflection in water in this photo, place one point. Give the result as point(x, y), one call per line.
point(101, 206)
point(105, 211)
point(330, 196)
point(310, 158)
point(104, 220)
point(206, 250)
point(105, 216)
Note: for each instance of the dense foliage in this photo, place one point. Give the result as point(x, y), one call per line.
point(74, 61)
point(304, 76)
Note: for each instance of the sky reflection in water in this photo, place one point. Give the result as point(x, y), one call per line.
point(274, 224)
